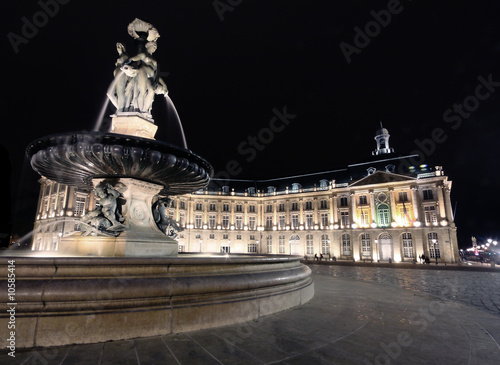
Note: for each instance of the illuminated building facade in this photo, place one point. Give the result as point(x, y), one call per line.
point(366, 211)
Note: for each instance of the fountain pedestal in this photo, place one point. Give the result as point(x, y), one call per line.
point(133, 125)
point(140, 237)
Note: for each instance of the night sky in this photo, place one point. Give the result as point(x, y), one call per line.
point(231, 65)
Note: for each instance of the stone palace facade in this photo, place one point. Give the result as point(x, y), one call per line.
point(366, 211)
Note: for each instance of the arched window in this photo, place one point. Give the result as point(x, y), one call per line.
point(384, 216)
point(432, 240)
point(325, 244)
point(366, 249)
point(346, 244)
point(407, 245)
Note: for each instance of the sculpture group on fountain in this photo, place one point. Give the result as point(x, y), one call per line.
point(136, 78)
point(106, 219)
point(165, 223)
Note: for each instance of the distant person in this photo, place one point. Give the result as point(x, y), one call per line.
point(315, 256)
point(320, 256)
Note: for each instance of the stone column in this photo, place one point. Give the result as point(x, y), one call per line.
point(393, 204)
point(332, 218)
point(335, 209)
point(353, 215)
point(372, 206)
point(447, 203)
point(301, 212)
point(415, 202)
point(442, 207)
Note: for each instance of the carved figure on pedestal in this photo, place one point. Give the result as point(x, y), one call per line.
point(166, 224)
point(106, 218)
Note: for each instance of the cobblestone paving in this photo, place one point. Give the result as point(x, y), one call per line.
point(479, 289)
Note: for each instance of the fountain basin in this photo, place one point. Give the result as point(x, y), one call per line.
point(70, 300)
point(76, 158)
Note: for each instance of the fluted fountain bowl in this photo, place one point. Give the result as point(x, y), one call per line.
point(76, 158)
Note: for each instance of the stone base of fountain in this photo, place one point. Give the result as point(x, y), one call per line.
point(65, 300)
point(140, 235)
point(127, 245)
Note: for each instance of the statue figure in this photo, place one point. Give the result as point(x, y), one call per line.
point(121, 80)
point(166, 224)
point(106, 218)
point(136, 78)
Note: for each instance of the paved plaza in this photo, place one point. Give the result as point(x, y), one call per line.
point(359, 315)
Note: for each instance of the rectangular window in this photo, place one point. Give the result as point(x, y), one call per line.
point(252, 248)
point(251, 223)
point(225, 236)
point(212, 207)
point(79, 206)
point(252, 237)
point(344, 219)
point(346, 245)
point(309, 205)
point(325, 244)
point(281, 207)
point(365, 245)
point(197, 221)
point(199, 206)
point(238, 236)
point(324, 204)
point(281, 244)
point(225, 221)
point(269, 243)
point(363, 200)
point(269, 222)
point(343, 201)
point(239, 222)
point(309, 221)
point(239, 208)
point(324, 220)
point(428, 195)
point(225, 207)
point(407, 245)
point(269, 208)
point(309, 244)
point(295, 221)
point(403, 196)
point(183, 204)
point(182, 219)
point(433, 245)
point(295, 206)
point(251, 209)
point(282, 221)
point(211, 236)
point(211, 221)
point(430, 214)
point(363, 218)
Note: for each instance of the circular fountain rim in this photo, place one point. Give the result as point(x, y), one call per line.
point(189, 258)
point(36, 144)
point(183, 162)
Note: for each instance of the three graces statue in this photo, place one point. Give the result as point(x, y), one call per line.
point(136, 78)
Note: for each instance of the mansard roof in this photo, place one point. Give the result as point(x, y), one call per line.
point(380, 177)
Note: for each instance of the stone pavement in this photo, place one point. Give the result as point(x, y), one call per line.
point(359, 315)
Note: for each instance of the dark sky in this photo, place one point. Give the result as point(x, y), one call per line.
point(228, 69)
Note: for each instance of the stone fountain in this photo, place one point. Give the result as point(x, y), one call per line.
point(133, 175)
point(130, 282)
